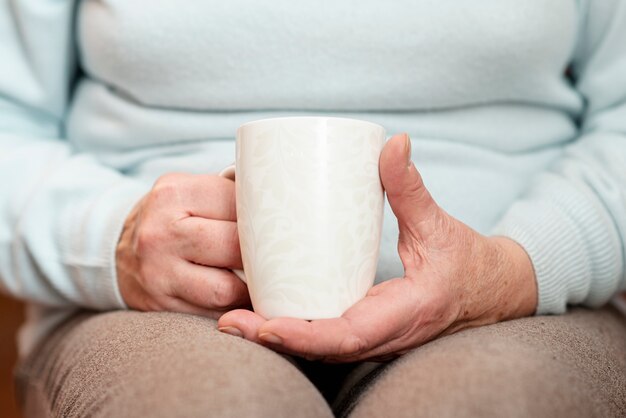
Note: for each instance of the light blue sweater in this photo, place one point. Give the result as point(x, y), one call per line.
point(517, 111)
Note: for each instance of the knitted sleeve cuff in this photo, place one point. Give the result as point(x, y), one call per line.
point(576, 257)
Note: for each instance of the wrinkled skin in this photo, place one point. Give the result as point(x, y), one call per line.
point(177, 246)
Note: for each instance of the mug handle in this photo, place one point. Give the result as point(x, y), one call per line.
point(229, 173)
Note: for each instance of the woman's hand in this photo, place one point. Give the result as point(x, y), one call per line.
point(176, 245)
point(454, 278)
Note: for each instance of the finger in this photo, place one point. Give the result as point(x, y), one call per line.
point(246, 323)
point(205, 196)
point(208, 242)
point(208, 287)
point(408, 197)
point(243, 323)
point(377, 319)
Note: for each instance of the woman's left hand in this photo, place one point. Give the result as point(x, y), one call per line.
point(455, 278)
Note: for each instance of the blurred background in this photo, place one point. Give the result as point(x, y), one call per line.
point(11, 316)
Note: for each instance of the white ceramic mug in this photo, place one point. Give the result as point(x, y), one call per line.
point(309, 213)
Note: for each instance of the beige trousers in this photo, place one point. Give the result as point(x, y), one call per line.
point(130, 364)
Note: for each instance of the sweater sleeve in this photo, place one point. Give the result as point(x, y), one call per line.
point(572, 220)
point(61, 212)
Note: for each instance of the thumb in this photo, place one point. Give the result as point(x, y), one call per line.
point(408, 197)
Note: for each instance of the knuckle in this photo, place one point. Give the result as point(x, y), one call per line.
point(167, 188)
point(224, 294)
point(147, 239)
point(352, 345)
point(171, 178)
point(164, 193)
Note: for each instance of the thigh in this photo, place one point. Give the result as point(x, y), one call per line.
point(160, 364)
point(572, 365)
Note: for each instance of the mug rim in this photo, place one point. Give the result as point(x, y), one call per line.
point(338, 118)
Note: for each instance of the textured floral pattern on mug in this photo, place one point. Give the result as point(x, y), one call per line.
point(309, 211)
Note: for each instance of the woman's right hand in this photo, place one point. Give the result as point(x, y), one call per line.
point(177, 245)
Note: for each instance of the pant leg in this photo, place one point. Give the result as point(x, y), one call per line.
point(572, 365)
point(131, 364)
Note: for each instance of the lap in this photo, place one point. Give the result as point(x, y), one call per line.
point(160, 364)
point(163, 364)
point(572, 365)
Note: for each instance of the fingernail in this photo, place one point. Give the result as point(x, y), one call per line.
point(407, 149)
point(271, 338)
point(232, 331)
